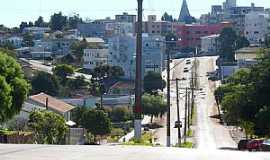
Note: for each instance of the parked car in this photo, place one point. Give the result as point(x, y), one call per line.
point(186, 70)
point(242, 144)
point(266, 145)
point(255, 145)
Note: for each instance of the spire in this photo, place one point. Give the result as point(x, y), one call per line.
point(184, 14)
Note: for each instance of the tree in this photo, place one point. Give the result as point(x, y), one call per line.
point(22, 26)
point(48, 127)
point(96, 122)
point(153, 82)
point(167, 17)
point(245, 98)
point(28, 40)
point(50, 84)
point(58, 21)
point(13, 87)
point(78, 83)
point(241, 42)
point(120, 114)
point(74, 21)
point(40, 22)
point(109, 71)
point(77, 49)
point(63, 71)
point(227, 40)
point(153, 105)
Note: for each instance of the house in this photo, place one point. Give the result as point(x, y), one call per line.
point(247, 56)
point(95, 57)
point(43, 101)
point(210, 44)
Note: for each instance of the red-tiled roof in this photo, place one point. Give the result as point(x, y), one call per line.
point(53, 103)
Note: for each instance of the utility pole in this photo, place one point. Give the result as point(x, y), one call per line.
point(185, 128)
point(138, 83)
point(188, 110)
point(178, 112)
point(168, 99)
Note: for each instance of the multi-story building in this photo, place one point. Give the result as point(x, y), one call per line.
point(122, 52)
point(95, 57)
point(153, 26)
point(14, 41)
point(37, 32)
point(125, 17)
point(210, 44)
point(256, 26)
point(190, 35)
point(117, 28)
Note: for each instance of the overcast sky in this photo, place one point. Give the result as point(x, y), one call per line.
point(12, 12)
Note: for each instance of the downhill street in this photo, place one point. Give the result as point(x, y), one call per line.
point(209, 134)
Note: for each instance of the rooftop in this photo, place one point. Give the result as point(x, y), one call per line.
point(53, 103)
point(248, 50)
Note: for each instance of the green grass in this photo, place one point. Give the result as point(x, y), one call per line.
point(146, 140)
point(190, 133)
point(185, 145)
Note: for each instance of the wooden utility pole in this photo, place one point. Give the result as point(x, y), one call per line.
point(185, 128)
point(138, 82)
point(168, 99)
point(178, 112)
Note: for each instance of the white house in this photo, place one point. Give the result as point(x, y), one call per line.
point(256, 26)
point(43, 101)
point(210, 44)
point(95, 57)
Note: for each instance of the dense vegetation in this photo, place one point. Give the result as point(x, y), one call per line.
point(245, 98)
point(13, 87)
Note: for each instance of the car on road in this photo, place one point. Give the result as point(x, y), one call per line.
point(186, 70)
point(255, 145)
point(266, 145)
point(188, 61)
point(242, 144)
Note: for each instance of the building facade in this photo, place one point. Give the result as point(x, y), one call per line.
point(125, 17)
point(210, 44)
point(256, 27)
point(95, 57)
point(190, 35)
point(122, 52)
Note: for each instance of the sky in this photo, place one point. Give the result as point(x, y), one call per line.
point(13, 12)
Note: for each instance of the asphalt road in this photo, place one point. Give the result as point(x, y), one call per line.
point(210, 134)
point(51, 152)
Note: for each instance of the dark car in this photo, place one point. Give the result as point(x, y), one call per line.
point(242, 144)
point(255, 145)
point(266, 145)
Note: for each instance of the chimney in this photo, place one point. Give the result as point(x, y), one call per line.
point(47, 101)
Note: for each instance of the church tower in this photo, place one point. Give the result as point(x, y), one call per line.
point(184, 13)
